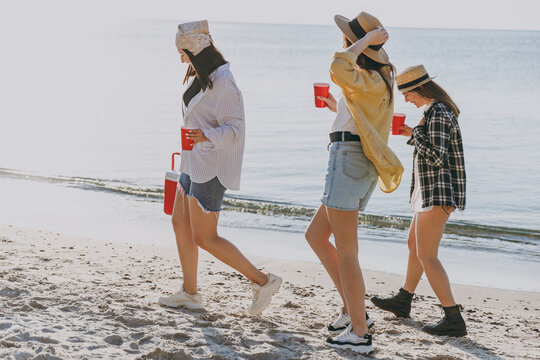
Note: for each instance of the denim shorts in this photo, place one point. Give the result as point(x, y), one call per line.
point(209, 194)
point(350, 179)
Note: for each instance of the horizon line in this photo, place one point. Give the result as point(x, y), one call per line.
point(314, 24)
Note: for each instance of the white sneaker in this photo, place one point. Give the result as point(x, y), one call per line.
point(349, 340)
point(263, 294)
point(182, 298)
point(343, 321)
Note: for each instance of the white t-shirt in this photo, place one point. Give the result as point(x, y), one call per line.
point(344, 120)
point(416, 198)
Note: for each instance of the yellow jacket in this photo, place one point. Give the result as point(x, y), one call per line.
point(367, 99)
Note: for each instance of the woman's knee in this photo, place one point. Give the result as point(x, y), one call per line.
point(204, 242)
point(314, 239)
point(347, 253)
point(426, 259)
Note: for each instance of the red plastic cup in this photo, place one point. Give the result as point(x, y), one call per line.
point(321, 89)
point(187, 144)
point(397, 121)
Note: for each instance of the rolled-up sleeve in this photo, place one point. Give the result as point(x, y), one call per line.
point(230, 117)
point(345, 73)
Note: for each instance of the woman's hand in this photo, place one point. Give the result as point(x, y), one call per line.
point(377, 36)
point(374, 37)
point(405, 130)
point(330, 102)
point(196, 135)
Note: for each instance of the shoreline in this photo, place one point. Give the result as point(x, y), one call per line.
point(74, 297)
point(81, 213)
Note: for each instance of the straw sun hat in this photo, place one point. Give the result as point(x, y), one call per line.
point(357, 28)
point(412, 77)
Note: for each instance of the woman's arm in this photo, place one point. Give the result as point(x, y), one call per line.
point(374, 37)
point(343, 69)
point(432, 142)
point(230, 117)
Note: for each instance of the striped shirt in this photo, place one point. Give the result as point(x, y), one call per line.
point(219, 112)
point(441, 163)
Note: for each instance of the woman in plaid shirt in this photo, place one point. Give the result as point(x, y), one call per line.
point(437, 189)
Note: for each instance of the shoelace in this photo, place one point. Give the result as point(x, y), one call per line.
point(345, 334)
point(460, 307)
point(348, 333)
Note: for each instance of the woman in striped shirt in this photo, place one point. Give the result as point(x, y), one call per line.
point(437, 189)
point(213, 109)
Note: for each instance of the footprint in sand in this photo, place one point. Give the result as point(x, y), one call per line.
point(114, 340)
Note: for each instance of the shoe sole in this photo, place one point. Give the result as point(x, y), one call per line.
point(269, 299)
point(187, 306)
point(370, 324)
point(361, 349)
point(382, 307)
point(452, 334)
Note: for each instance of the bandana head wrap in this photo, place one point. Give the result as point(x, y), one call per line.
point(193, 36)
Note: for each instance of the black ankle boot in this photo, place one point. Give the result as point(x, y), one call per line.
point(399, 304)
point(452, 324)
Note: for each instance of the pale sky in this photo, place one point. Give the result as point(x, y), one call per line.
point(467, 14)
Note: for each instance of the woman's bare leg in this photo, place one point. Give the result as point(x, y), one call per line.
point(429, 230)
point(344, 225)
point(318, 237)
point(204, 231)
point(414, 267)
point(188, 251)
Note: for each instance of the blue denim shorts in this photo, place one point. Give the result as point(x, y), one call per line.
point(209, 194)
point(350, 179)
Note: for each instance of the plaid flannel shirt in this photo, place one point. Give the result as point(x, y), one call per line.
point(441, 164)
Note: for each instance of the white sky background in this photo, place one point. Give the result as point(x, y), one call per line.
point(466, 14)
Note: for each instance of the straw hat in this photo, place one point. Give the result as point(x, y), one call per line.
point(193, 36)
point(357, 28)
point(412, 77)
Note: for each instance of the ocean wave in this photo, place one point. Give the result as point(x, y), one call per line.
point(270, 208)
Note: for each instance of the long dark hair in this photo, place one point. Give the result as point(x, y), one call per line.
point(432, 91)
point(203, 64)
point(385, 70)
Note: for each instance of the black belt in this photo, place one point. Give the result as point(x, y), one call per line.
point(343, 136)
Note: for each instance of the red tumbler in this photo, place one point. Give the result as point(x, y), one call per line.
point(169, 192)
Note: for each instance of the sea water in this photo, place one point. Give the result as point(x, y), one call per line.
point(89, 120)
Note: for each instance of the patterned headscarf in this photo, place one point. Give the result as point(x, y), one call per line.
point(193, 36)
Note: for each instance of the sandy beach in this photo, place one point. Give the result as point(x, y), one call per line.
point(65, 297)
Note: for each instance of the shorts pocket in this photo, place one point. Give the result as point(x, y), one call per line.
point(355, 165)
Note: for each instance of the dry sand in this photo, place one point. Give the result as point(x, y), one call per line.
point(64, 297)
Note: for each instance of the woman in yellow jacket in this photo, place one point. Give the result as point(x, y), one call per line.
point(359, 159)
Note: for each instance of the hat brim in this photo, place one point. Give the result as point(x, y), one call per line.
point(417, 85)
point(379, 56)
